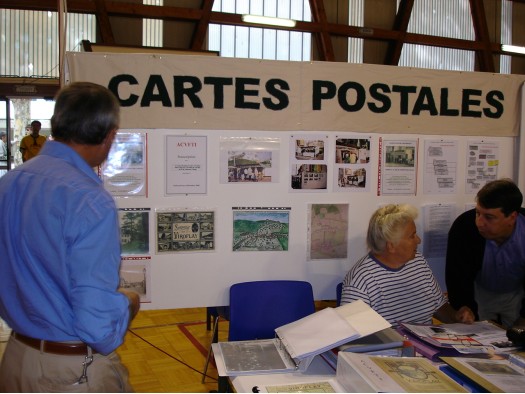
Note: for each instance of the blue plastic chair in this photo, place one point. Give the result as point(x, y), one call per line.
point(258, 308)
point(339, 293)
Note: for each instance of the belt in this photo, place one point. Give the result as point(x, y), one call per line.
point(62, 348)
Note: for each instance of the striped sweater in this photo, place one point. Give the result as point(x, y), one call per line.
point(408, 294)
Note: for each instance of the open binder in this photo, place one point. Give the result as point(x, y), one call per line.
point(297, 343)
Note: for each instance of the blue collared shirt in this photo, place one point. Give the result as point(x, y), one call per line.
point(60, 252)
point(503, 268)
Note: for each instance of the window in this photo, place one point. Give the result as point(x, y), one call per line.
point(451, 19)
point(29, 45)
point(152, 28)
point(262, 43)
point(438, 18)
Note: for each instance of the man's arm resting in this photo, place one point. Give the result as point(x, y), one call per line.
point(134, 302)
point(447, 314)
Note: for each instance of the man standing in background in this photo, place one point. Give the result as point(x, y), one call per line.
point(32, 143)
point(60, 260)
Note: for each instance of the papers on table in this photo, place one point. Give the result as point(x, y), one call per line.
point(466, 338)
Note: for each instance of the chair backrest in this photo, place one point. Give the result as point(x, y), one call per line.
point(258, 308)
point(339, 293)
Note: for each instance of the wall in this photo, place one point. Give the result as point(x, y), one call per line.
point(188, 279)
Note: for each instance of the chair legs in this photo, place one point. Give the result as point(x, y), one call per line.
point(215, 339)
point(211, 313)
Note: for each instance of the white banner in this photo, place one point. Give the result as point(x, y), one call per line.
point(204, 92)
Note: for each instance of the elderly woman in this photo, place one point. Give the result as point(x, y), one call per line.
point(393, 278)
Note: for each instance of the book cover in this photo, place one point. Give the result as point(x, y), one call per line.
point(358, 372)
point(496, 374)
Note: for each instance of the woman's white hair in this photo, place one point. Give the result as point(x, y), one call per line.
point(386, 225)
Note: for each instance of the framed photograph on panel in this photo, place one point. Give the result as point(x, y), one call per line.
point(124, 173)
point(190, 230)
point(257, 229)
point(135, 275)
point(134, 231)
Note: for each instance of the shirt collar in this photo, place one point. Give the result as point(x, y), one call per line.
point(62, 151)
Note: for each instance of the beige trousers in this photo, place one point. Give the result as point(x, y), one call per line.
point(24, 369)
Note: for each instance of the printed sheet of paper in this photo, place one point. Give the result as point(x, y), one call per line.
point(482, 164)
point(397, 173)
point(313, 387)
point(135, 275)
point(441, 164)
point(352, 163)
point(308, 163)
point(327, 231)
point(186, 164)
point(249, 160)
point(437, 219)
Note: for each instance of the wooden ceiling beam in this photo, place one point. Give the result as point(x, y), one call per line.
point(80, 6)
point(481, 30)
point(401, 26)
point(104, 26)
point(322, 37)
point(199, 35)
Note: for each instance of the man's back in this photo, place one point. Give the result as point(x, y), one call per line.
point(53, 203)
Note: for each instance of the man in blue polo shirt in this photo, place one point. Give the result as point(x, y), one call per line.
point(59, 267)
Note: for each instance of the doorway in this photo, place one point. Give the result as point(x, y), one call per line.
point(16, 115)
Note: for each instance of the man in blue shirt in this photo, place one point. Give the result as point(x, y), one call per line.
point(485, 267)
point(59, 267)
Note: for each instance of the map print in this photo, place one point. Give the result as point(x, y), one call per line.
point(260, 229)
point(328, 231)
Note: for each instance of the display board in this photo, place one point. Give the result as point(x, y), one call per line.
point(208, 199)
